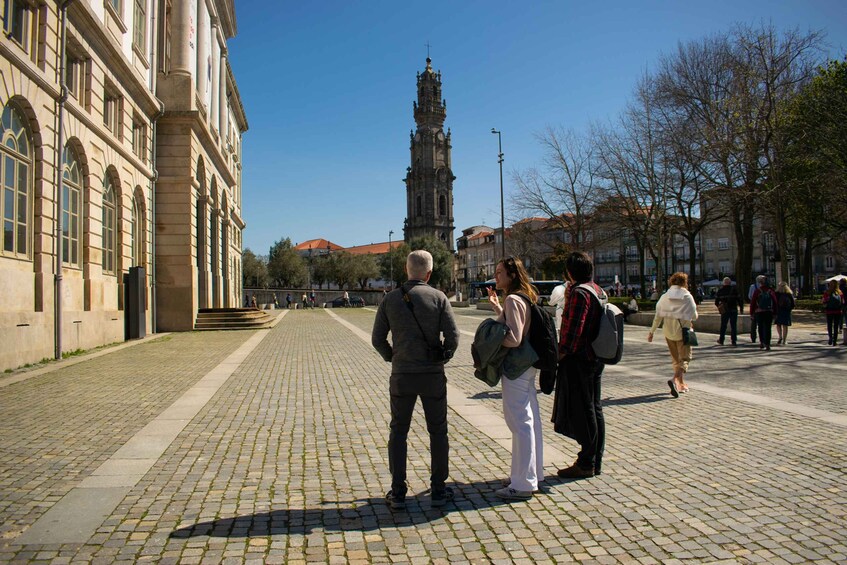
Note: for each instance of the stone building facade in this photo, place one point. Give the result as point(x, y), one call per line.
point(429, 179)
point(198, 149)
point(90, 164)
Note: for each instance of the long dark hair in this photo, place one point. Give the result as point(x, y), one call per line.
point(520, 280)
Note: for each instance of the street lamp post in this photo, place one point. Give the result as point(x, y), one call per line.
point(502, 219)
point(390, 259)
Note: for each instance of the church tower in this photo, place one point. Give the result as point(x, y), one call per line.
point(429, 179)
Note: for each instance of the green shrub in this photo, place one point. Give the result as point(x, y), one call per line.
point(813, 304)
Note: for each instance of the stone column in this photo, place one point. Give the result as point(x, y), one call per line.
point(181, 38)
point(216, 61)
point(222, 110)
point(202, 49)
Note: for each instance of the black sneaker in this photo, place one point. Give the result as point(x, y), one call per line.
point(395, 501)
point(441, 497)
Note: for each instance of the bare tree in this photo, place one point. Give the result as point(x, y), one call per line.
point(562, 189)
point(728, 87)
point(636, 174)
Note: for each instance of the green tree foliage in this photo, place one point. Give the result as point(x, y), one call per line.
point(442, 260)
point(254, 270)
point(365, 268)
point(814, 168)
point(286, 267)
point(394, 264)
point(341, 269)
point(555, 264)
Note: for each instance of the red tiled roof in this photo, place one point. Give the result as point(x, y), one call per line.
point(372, 248)
point(480, 235)
point(317, 244)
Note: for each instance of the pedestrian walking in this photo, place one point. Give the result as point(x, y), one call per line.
point(520, 403)
point(417, 316)
point(578, 404)
point(557, 299)
point(753, 288)
point(784, 306)
point(728, 302)
point(304, 300)
point(833, 301)
point(288, 301)
point(676, 313)
point(763, 311)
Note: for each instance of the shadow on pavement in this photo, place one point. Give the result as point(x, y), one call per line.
point(364, 514)
point(487, 394)
point(643, 399)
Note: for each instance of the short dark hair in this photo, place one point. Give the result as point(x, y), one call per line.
point(580, 267)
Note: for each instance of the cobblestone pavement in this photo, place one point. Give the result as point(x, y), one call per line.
point(286, 462)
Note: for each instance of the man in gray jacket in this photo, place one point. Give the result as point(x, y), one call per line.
point(417, 315)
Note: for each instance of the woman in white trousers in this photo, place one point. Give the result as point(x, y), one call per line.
point(520, 403)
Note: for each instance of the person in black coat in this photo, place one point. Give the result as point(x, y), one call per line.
point(728, 300)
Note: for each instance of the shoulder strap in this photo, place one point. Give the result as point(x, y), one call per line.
point(593, 292)
point(408, 300)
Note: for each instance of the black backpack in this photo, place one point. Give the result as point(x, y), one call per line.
point(542, 336)
point(765, 301)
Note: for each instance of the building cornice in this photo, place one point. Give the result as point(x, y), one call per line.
point(235, 101)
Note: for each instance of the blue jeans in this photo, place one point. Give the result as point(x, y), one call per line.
point(731, 317)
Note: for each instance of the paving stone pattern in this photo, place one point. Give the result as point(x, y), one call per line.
point(287, 464)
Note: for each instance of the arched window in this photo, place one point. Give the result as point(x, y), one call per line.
point(442, 205)
point(110, 218)
point(137, 234)
point(418, 206)
point(71, 207)
point(16, 175)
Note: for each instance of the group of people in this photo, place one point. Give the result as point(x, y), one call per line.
point(417, 316)
point(768, 307)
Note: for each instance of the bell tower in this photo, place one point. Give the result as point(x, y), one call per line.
point(429, 179)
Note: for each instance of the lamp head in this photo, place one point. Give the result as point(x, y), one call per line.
point(493, 130)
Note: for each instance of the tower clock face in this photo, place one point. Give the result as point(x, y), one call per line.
point(417, 136)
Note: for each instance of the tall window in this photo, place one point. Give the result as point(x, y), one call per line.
point(116, 6)
point(442, 205)
point(71, 207)
point(17, 21)
point(139, 25)
point(137, 234)
point(113, 111)
point(16, 173)
point(77, 68)
point(139, 138)
point(109, 226)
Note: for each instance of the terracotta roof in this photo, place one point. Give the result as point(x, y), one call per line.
point(372, 248)
point(480, 235)
point(317, 244)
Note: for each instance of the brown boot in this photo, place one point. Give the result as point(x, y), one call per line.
point(575, 472)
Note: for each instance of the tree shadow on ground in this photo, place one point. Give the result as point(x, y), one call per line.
point(363, 514)
point(643, 399)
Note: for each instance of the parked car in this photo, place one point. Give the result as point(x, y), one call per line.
point(355, 301)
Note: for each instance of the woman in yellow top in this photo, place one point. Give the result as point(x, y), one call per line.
point(675, 310)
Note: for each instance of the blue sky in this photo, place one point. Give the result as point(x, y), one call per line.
point(328, 89)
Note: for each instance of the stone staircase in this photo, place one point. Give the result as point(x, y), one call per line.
point(216, 319)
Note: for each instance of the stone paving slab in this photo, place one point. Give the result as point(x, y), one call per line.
point(58, 427)
point(286, 464)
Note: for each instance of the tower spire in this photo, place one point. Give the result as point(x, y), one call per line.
point(429, 179)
